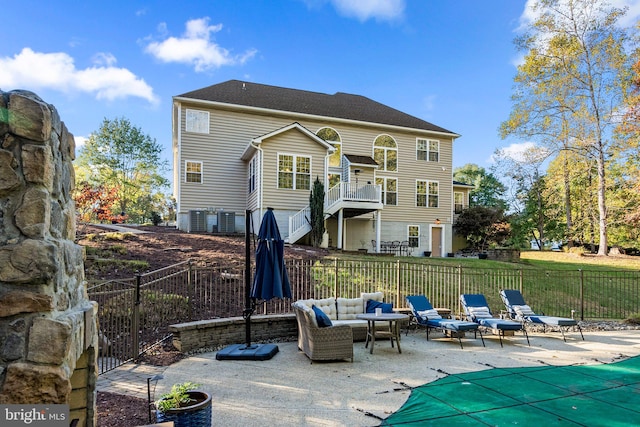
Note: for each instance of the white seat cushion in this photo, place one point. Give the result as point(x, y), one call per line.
point(349, 308)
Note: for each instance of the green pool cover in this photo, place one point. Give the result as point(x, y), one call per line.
point(593, 395)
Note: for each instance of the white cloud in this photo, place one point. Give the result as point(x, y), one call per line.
point(523, 152)
point(103, 58)
point(104, 80)
point(80, 141)
point(196, 48)
point(382, 10)
point(633, 13)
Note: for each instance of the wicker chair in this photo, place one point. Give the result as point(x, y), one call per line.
point(330, 343)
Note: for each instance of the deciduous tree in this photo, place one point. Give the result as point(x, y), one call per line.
point(119, 155)
point(488, 191)
point(575, 74)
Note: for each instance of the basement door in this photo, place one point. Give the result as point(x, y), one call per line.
point(436, 241)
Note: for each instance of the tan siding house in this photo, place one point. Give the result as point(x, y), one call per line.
point(241, 146)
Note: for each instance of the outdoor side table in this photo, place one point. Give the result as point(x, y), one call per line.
point(393, 334)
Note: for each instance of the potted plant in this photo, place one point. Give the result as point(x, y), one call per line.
point(185, 405)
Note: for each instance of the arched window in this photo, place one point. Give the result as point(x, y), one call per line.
point(385, 153)
point(331, 136)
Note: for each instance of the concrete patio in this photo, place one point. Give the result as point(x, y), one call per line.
point(289, 390)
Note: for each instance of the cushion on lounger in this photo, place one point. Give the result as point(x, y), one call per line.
point(479, 312)
point(523, 310)
point(429, 314)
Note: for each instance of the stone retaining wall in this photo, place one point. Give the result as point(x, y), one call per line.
point(507, 255)
point(216, 333)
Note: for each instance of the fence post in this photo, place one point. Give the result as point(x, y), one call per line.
point(459, 268)
point(135, 321)
point(581, 294)
point(521, 279)
point(335, 282)
point(397, 302)
point(190, 289)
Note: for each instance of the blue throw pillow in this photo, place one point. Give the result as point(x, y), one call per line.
point(322, 319)
point(386, 307)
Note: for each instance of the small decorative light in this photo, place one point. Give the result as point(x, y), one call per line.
point(437, 220)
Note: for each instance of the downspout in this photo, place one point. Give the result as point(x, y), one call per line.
point(261, 176)
point(178, 160)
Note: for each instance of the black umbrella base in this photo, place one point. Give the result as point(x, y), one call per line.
point(252, 352)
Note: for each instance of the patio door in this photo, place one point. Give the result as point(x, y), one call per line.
point(436, 241)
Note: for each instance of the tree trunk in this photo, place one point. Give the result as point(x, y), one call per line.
point(602, 205)
point(567, 201)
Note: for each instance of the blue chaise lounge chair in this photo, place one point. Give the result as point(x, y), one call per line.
point(520, 311)
point(425, 315)
point(476, 309)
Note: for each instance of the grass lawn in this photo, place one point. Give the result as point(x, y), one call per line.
point(540, 260)
point(550, 260)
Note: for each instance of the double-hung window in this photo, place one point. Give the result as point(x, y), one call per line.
point(193, 172)
point(413, 236)
point(428, 149)
point(252, 175)
point(389, 190)
point(294, 172)
point(458, 202)
point(427, 193)
point(197, 121)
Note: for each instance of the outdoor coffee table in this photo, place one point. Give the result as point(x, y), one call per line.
point(393, 333)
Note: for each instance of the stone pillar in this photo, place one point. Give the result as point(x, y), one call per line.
point(48, 331)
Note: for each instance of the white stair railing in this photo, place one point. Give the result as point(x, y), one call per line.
point(299, 224)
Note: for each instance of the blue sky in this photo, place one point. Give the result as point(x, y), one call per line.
point(448, 62)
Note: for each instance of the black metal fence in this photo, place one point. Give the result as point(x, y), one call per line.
point(134, 314)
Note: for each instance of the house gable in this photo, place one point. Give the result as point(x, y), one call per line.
point(299, 145)
point(251, 149)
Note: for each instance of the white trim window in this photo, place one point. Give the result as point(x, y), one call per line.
point(413, 236)
point(294, 172)
point(332, 137)
point(252, 175)
point(458, 202)
point(389, 190)
point(196, 121)
point(385, 153)
point(193, 172)
point(428, 149)
point(427, 193)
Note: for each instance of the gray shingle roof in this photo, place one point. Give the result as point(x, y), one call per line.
point(361, 160)
point(340, 105)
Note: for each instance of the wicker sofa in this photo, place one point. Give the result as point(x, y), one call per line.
point(334, 342)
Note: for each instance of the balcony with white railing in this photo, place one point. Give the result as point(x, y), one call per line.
point(353, 196)
point(354, 199)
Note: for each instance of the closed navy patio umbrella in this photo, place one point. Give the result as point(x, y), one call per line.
point(270, 281)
